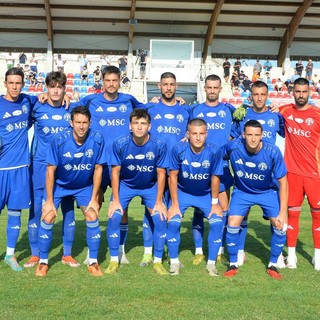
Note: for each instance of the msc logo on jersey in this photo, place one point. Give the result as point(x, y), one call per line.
point(53, 130)
point(171, 130)
point(25, 109)
point(78, 167)
point(67, 117)
point(271, 123)
point(46, 130)
point(180, 118)
point(262, 166)
point(140, 168)
point(123, 108)
point(309, 121)
point(185, 174)
point(102, 122)
point(250, 176)
point(17, 126)
point(299, 132)
point(205, 164)
point(222, 114)
point(89, 153)
point(150, 155)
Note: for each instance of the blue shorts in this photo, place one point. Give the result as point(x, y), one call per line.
point(82, 195)
point(308, 73)
point(106, 178)
point(15, 188)
point(148, 196)
point(226, 180)
point(201, 202)
point(38, 176)
point(241, 202)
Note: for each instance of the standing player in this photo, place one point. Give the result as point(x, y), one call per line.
point(218, 117)
point(256, 164)
point(169, 122)
point(194, 182)
point(15, 109)
point(49, 119)
point(138, 169)
point(272, 124)
point(75, 160)
point(302, 125)
point(110, 112)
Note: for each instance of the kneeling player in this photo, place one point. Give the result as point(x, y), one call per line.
point(256, 164)
point(194, 182)
point(75, 161)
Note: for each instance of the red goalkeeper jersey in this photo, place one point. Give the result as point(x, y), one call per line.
point(302, 140)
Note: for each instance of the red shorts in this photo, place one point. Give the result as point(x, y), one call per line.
point(299, 186)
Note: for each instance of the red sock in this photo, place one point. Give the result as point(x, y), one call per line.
point(316, 228)
point(293, 226)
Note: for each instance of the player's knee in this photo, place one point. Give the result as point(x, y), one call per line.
point(50, 217)
point(91, 215)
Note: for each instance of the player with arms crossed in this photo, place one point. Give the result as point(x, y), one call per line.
point(75, 161)
point(302, 149)
point(256, 163)
point(194, 182)
point(138, 169)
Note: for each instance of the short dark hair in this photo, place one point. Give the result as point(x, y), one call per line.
point(302, 82)
point(55, 77)
point(259, 84)
point(198, 122)
point(14, 72)
point(212, 77)
point(166, 75)
point(254, 124)
point(140, 113)
point(81, 110)
point(111, 70)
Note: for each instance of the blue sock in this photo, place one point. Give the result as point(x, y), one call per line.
point(278, 240)
point(225, 215)
point(243, 233)
point(147, 229)
point(123, 233)
point(160, 227)
point(197, 228)
point(173, 236)
point(93, 238)
point(45, 239)
point(232, 238)
point(214, 237)
point(113, 233)
point(33, 225)
point(13, 227)
point(68, 225)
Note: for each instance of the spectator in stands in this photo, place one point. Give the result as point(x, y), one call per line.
point(278, 85)
point(28, 74)
point(257, 67)
point(237, 66)
point(122, 62)
point(84, 61)
point(180, 64)
point(97, 74)
point(40, 80)
point(235, 86)
point(267, 65)
point(125, 82)
point(105, 61)
point(76, 94)
point(97, 86)
point(299, 68)
point(318, 87)
point(309, 69)
point(22, 59)
point(241, 76)
point(142, 58)
point(291, 85)
point(246, 84)
point(9, 60)
point(60, 62)
point(226, 69)
point(34, 63)
point(255, 77)
point(84, 73)
point(315, 80)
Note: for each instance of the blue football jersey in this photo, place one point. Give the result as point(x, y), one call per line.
point(196, 169)
point(139, 163)
point(255, 173)
point(48, 121)
point(169, 122)
point(272, 123)
point(15, 122)
point(219, 121)
point(111, 118)
point(75, 163)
